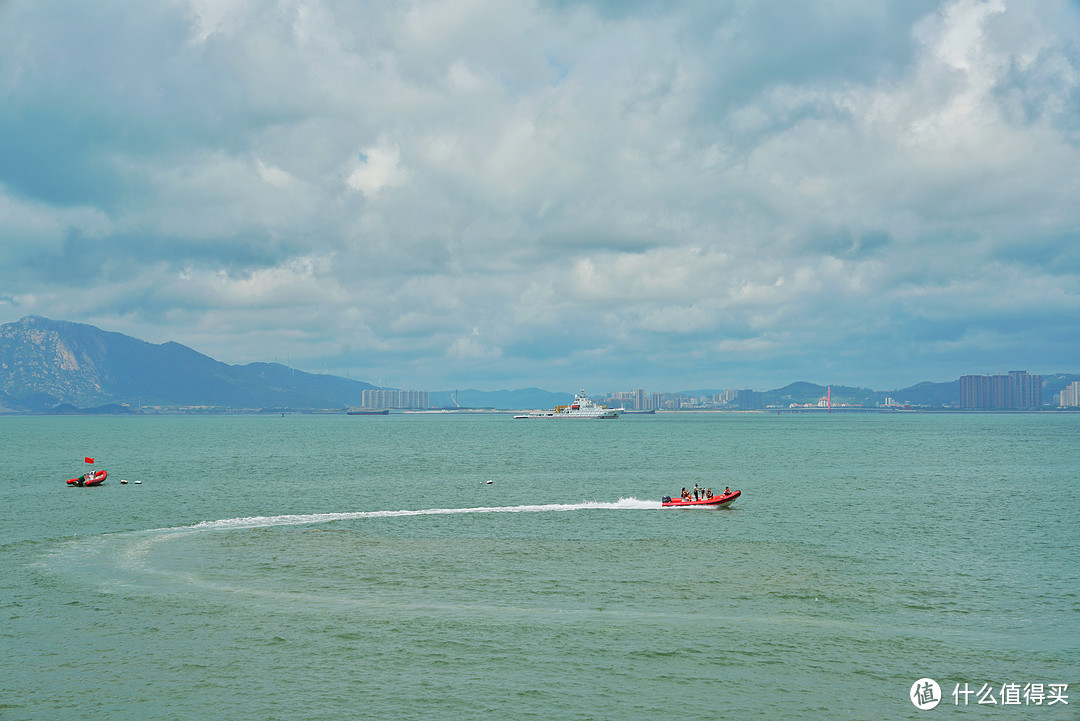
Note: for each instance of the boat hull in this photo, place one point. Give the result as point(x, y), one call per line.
point(721, 501)
point(571, 415)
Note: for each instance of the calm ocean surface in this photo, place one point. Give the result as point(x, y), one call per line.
point(347, 567)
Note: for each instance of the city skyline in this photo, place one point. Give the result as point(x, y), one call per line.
point(44, 356)
point(60, 366)
point(448, 194)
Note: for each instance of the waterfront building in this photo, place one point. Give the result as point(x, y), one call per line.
point(414, 399)
point(1069, 397)
point(380, 398)
point(749, 400)
point(389, 398)
point(636, 400)
point(1015, 391)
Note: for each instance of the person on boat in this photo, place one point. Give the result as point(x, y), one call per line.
point(685, 494)
point(708, 493)
point(697, 491)
point(727, 490)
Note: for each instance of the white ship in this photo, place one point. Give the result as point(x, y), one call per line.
point(582, 407)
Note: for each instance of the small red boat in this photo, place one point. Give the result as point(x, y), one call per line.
point(722, 500)
point(93, 478)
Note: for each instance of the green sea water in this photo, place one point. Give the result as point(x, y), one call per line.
point(345, 567)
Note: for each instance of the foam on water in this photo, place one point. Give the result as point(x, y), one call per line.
point(306, 518)
point(129, 551)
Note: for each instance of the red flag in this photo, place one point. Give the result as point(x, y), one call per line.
point(88, 460)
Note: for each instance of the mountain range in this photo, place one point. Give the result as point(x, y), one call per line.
point(50, 366)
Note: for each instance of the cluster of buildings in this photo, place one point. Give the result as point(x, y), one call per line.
point(381, 398)
point(1069, 397)
point(639, 400)
point(1013, 391)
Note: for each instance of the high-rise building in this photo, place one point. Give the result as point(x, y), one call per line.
point(389, 398)
point(414, 399)
point(1015, 391)
point(748, 400)
point(1069, 397)
point(380, 398)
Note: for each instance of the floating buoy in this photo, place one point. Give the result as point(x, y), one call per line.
point(122, 481)
point(489, 483)
point(138, 482)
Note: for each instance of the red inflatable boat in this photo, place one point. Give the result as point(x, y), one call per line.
point(93, 478)
point(721, 501)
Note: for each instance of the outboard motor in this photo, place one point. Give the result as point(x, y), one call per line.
point(666, 499)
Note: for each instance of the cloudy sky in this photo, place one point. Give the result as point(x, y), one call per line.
point(500, 194)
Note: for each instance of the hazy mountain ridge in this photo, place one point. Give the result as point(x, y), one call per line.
point(920, 394)
point(46, 363)
point(926, 393)
point(62, 367)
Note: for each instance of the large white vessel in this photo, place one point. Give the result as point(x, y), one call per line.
point(582, 407)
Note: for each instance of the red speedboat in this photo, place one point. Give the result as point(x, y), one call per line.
point(722, 500)
point(93, 478)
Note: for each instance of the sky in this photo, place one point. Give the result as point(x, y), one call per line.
point(501, 194)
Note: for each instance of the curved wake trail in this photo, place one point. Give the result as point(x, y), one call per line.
point(127, 553)
point(306, 518)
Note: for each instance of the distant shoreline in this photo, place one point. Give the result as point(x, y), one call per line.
point(506, 411)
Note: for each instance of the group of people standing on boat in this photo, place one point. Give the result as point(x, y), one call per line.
point(699, 493)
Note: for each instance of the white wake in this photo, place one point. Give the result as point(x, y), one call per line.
point(306, 518)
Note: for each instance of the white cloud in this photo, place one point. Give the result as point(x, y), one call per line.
point(30, 228)
point(298, 281)
point(379, 168)
point(471, 348)
point(655, 190)
point(222, 17)
point(275, 176)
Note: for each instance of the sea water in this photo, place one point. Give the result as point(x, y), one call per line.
point(363, 567)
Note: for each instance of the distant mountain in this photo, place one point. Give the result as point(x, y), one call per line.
point(934, 395)
point(46, 363)
point(922, 394)
point(802, 392)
